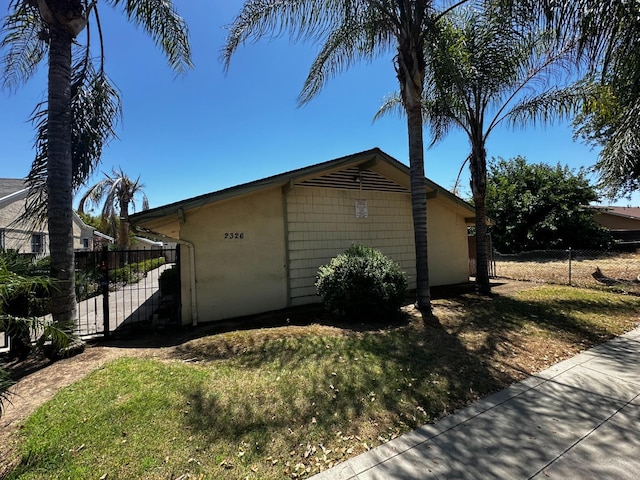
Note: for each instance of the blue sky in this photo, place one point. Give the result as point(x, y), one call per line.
point(207, 130)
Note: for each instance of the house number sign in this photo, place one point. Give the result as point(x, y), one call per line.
point(234, 236)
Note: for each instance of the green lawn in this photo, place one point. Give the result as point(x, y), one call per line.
point(290, 401)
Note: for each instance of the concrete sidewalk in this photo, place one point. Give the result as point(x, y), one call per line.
point(579, 419)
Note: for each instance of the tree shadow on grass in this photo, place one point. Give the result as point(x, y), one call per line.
point(400, 377)
point(502, 317)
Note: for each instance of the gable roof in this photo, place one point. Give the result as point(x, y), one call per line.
point(11, 185)
point(331, 173)
point(12, 190)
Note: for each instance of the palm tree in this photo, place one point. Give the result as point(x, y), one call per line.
point(485, 70)
point(354, 30)
point(116, 193)
point(82, 106)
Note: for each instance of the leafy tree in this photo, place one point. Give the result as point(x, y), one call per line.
point(91, 220)
point(485, 70)
point(116, 193)
point(537, 206)
point(609, 121)
point(608, 33)
point(82, 106)
point(351, 31)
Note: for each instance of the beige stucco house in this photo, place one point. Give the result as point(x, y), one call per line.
point(257, 247)
point(27, 237)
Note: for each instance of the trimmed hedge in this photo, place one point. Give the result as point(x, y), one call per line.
point(133, 272)
point(362, 283)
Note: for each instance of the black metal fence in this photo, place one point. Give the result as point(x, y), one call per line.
point(120, 289)
point(582, 268)
point(117, 292)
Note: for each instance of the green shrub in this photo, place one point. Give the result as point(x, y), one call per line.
point(362, 283)
point(169, 282)
point(87, 284)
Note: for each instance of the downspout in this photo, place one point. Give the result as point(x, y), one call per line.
point(192, 280)
point(192, 266)
point(287, 254)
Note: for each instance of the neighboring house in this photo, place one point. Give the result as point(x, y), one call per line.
point(141, 243)
point(30, 237)
point(257, 247)
point(623, 222)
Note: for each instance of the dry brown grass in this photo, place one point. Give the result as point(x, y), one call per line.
point(621, 270)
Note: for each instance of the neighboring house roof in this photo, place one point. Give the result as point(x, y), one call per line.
point(14, 189)
point(13, 197)
point(104, 236)
point(11, 190)
point(626, 212)
point(146, 241)
point(363, 160)
point(11, 185)
point(622, 222)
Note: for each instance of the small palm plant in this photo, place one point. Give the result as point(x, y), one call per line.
point(116, 192)
point(13, 285)
point(5, 383)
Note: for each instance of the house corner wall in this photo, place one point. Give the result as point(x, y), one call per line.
point(240, 265)
point(447, 243)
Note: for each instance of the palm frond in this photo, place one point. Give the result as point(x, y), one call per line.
point(5, 383)
point(97, 109)
point(23, 44)
point(13, 284)
point(391, 105)
point(301, 19)
point(552, 104)
point(166, 27)
point(59, 337)
point(355, 40)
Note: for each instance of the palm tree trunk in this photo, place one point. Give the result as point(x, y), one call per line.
point(478, 166)
point(410, 70)
point(123, 233)
point(59, 173)
point(419, 207)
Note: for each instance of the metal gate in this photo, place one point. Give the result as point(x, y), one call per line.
point(119, 291)
point(473, 256)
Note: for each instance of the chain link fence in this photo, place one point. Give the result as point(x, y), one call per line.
point(580, 268)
